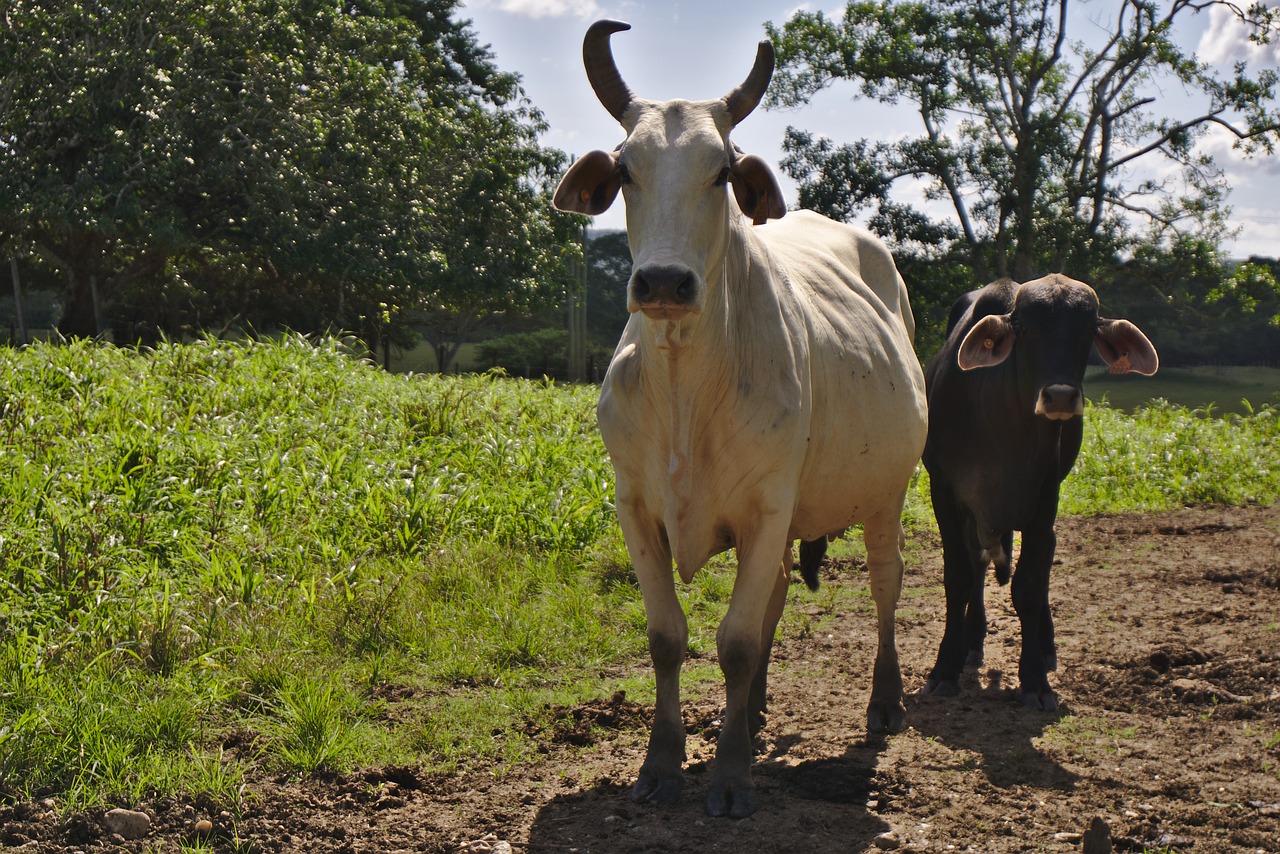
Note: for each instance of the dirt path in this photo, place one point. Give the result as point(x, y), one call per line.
point(1169, 732)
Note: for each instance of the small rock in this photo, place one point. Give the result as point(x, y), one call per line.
point(487, 844)
point(128, 823)
point(887, 841)
point(204, 826)
point(1097, 839)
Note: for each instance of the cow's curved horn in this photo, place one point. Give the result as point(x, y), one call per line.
point(744, 99)
point(602, 71)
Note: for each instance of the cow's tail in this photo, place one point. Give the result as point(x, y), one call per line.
point(811, 554)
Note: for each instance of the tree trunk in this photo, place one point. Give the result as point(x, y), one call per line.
point(17, 302)
point(79, 320)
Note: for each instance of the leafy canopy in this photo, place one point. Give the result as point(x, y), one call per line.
point(1033, 137)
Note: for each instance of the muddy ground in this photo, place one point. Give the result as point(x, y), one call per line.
point(1168, 733)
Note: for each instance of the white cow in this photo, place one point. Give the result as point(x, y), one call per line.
point(764, 390)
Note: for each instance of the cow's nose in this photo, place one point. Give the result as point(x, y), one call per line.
point(1060, 402)
point(673, 285)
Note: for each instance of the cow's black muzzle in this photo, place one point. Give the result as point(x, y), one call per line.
point(663, 288)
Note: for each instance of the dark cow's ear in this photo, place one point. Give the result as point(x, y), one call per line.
point(590, 185)
point(988, 343)
point(756, 189)
point(1123, 346)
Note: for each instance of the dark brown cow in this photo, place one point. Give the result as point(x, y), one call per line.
point(1005, 401)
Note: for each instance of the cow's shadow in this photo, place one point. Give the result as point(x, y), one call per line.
point(987, 719)
point(800, 803)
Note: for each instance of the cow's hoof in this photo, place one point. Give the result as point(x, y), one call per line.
point(1045, 700)
point(732, 798)
point(885, 716)
point(974, 658)
point(936, 687)
point(657, 788)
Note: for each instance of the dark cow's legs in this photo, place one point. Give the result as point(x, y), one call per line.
point(975, 622)
point(1048, 648)
point(975, 628)
point(1031, 601)
point(959, 577)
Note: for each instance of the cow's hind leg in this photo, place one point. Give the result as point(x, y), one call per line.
point(882, 535)
point(742, 646)
point(660, 779)
point(975, 615)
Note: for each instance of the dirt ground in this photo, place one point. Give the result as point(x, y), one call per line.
point(1167, 739)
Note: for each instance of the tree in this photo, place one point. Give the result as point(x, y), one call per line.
point(609, 259)
point(1034, 139)
point(316, 164)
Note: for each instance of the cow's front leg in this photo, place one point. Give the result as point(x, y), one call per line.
point(760, 684)
point(741, 646)
point(1030, 591)
point(661, 779)
point(882, 535)
point(959, 574)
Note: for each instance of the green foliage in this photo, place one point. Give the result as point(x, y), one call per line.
point(1027, 131)
point(322, 165)
point(1166, 456)
point(540, 353)
point(276, 547)
point(1220, 390)
point(202, 524)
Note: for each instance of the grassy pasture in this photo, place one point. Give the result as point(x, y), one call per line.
point(225, 559)
point(1217, 390)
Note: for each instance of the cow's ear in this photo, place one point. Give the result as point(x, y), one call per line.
point(590, 185)
point(1123, 346)
point(988, 343)
point(756, 189)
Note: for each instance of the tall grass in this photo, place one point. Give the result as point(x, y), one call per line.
point(1166, 456)
point(225, 559)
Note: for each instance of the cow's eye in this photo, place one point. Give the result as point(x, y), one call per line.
point(723, 177)
point(624, 174)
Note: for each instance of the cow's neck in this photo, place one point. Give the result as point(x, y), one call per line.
point(694, 369)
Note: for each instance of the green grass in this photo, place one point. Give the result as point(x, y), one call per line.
point(221, 560)
point(1220, 390)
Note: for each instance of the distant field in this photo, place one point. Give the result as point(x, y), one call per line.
point(1225, 388)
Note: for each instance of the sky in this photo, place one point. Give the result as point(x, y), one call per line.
point(700, 50)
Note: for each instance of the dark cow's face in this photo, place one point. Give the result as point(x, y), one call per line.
point(1048, 335)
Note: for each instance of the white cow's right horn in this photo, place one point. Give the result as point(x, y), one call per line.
point(602, 71)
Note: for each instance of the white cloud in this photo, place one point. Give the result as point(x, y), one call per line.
point(1220, 144)
point(1227, 41)
point(546, 8)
